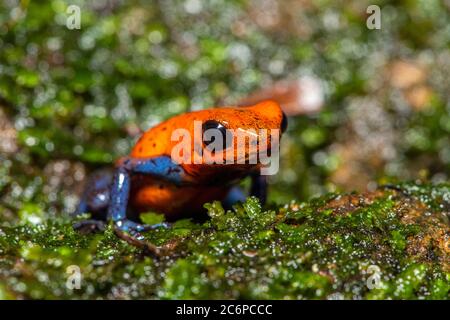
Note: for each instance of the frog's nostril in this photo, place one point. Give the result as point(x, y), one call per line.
point(284, 123)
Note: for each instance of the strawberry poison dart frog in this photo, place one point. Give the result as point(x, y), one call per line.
point(184, 162)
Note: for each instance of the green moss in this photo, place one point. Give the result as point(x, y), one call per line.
point(312, 250)
point(151, 218)
point(184, 281)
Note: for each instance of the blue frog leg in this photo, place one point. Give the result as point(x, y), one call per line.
point(259, 187)
point(234, 196)
point(161, 167)
point(95, 200)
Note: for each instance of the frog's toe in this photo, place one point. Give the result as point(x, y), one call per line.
point(148, 227)
point(134, 227)
point(89, 226)
point(131, 232)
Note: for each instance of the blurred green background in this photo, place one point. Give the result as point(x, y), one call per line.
point(72, 101)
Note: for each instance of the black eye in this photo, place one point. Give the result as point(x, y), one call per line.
point(284, 123)
point(215, 125)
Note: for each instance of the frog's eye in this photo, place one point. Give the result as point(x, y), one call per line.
point(212, 130)
point(284, 123)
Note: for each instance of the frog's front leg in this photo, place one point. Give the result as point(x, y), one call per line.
point(160, 167)
point(259, 187)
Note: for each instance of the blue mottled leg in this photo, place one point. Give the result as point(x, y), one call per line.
point(234, 196)
point(161, 167)
point(82, 207)
point(120, 192)
point(117, 210)
point(95, 200)
point(259, 188)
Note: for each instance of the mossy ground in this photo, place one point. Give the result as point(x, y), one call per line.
point(327, 248)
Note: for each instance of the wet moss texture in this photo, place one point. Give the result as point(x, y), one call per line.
point(390, 243)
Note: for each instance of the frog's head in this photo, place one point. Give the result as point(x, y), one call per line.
point(233, 139)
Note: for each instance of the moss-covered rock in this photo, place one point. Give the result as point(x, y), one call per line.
point(390, 243)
